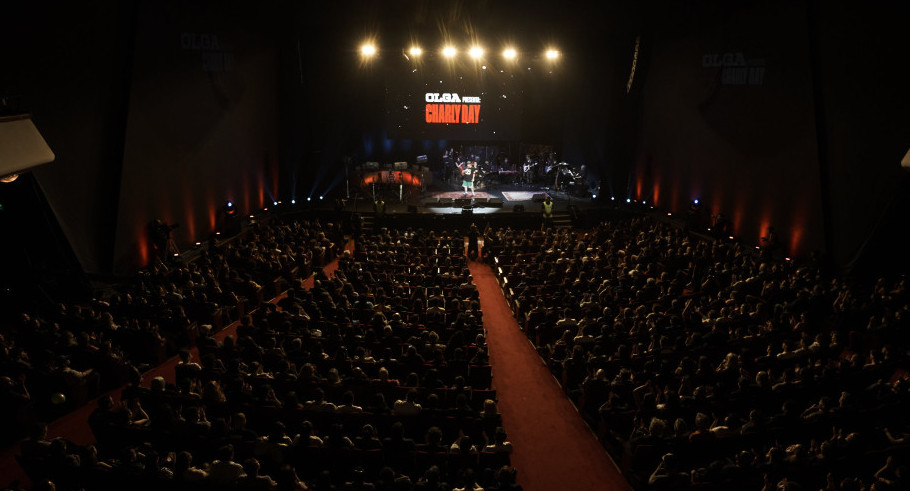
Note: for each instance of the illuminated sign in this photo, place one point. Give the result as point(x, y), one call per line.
point(450, 108)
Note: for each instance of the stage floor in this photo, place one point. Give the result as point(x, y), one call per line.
point(444, 197)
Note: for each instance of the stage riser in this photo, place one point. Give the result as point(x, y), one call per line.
point(462, 203)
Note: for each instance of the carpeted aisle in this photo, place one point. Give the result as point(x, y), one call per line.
point(554, 449)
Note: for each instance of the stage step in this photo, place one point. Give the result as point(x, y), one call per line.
point(368, 221)
point(562, 220)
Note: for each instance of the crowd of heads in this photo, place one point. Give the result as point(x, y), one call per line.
point(700, 363)
point(708, 364)
point(377, 376)
point(55, 359)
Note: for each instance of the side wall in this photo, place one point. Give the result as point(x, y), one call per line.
point(202, 123)
point(728, 119)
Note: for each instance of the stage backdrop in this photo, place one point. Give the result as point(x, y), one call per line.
point(202, 122)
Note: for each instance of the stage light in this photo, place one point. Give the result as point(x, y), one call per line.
point(9, 178)
point(787, 258)
point(308, 198)
point(293, 201)
point(476, 52)
point(695, 201)
point(368, 50)
point(483, 67)
point(448, 51)
point(552, 54)
point(320, 197)
point(612, 198)
point(509, 54)
point(274, 203)
point(593, 196)
point(628, 200)
point(415, 51)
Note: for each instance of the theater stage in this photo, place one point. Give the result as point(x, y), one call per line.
point(450, 198)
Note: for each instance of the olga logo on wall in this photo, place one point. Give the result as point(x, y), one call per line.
point(735, 68)
point(216, 56)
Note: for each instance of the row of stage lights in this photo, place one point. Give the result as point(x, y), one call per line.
point(368, 50)
point(230, 209)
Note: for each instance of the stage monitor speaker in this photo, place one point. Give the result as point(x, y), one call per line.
point(444, 202)
point(481, 201)
point(519, 208)
point(463, 203)
point(494, 202)
point(539, 197)
point(467, 210)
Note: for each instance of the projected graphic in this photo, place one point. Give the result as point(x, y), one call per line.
point(452, 110)
point(478, 105)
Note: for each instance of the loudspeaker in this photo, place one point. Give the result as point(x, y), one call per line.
point(444, 202)
point(519, 208)
point(481, 202)
point(495, 202)
point(463, 203)
point(467, 210)
point(539, 197)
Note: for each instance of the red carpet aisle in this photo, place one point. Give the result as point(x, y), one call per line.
point(554, 449)
point(74, 426)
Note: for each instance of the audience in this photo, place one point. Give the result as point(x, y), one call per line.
point(701, 363)
point(238, 407)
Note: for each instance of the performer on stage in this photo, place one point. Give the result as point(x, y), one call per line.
point(467, 177)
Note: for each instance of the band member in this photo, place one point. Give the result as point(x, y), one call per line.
point(468, 174)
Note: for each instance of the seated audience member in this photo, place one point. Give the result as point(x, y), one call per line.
point(185, 471)
point(224, 471)
point(252, 480)
point(407, 406)
point(500, 444)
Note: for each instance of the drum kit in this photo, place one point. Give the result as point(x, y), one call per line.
point(567, 179)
